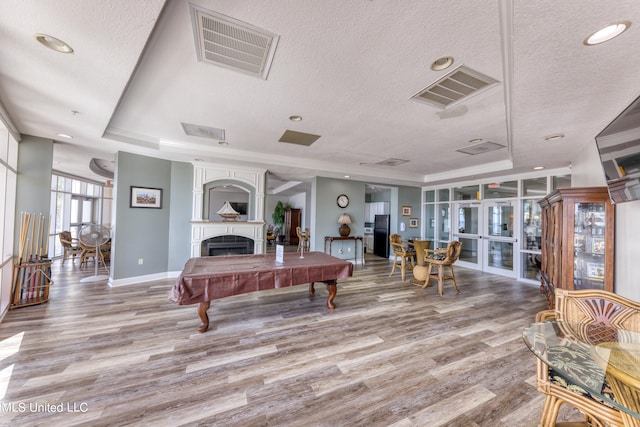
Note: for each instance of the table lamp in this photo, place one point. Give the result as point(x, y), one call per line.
point(344, 220)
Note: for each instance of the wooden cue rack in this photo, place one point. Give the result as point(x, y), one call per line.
point(31, 275)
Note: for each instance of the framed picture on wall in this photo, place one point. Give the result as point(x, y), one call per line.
point(406, 211)
point(413, 222)
point(145, 197)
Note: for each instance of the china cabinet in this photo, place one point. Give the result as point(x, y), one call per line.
point(292, 219)
point(577, 240)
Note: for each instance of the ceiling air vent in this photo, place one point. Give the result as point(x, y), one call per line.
point(203, 131)
point(392, 162)
point(456, 86)
point(227, 42)
point(483, 147)
point(298, 138)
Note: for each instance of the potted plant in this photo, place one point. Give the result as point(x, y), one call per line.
point(278, 216)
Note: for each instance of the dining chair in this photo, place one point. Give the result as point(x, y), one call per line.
point(271, 238)
point(70, 246)
point(402, 254)
point(303, 239)
point(441, 259)
point(89, 253)
point(594, 309)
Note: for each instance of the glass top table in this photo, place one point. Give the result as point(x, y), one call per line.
point(587, 352)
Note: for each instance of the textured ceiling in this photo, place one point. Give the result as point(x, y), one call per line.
point(348, 68)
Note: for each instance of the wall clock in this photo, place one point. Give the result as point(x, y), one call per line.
point(343, 201)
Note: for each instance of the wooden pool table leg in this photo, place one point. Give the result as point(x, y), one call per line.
point(332, 288)
point(204, 318)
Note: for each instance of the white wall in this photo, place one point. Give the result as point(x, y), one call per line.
point(299, 201)
point(587, 172)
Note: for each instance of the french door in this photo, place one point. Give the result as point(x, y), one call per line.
point(487, 232)
point(499, 237)
point(82, 213)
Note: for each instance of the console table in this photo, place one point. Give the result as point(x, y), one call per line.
point(354, 239)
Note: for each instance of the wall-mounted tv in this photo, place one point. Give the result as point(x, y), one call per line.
point(619, 149)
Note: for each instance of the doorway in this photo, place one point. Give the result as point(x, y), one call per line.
point(487, 232)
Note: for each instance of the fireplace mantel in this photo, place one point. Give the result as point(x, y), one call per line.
point(202, 229)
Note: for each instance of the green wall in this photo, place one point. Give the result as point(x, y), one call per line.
point(180, 215)
point(325, 213)
point(140, 233)
point(33, 186)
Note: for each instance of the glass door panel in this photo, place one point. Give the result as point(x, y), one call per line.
point(467, 228)
point(531, 238)
point(499, 238)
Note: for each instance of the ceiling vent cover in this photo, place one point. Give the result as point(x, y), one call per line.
point(227, 42)
point(203, 131)
point(483, 147)
point(456, 86)
point(392, 162)
point(298, 138)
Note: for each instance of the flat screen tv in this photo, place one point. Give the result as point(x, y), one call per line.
point(619, 149)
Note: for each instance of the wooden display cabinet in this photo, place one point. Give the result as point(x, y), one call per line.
point(292, 219)
point(577, 240)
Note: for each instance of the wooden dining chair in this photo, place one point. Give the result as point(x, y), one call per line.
point(303, 239)
point(442, 259)
point(403, 256)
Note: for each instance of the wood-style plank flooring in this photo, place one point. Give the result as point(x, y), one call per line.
point(391, 354)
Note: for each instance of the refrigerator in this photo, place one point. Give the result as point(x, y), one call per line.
point(381, 236)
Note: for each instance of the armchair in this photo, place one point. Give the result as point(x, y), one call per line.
point(589, 307)
point(70, 246)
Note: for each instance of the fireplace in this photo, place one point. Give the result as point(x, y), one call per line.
point(227, 237)
point(227, 245)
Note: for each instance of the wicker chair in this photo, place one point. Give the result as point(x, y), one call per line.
point(402, 254)
point(303, 239)
point(271, 238)
point(70, 246)
point(441, 258)
point(589, 307)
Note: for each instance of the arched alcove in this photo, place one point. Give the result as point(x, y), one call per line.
point(242, 185)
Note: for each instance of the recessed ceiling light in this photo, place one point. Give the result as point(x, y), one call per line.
point(347, 176)
point(53, 43)
point(474, 140)
point(537, 168)
point(64, 135)
point(554, 137)
point(295, 118)
point(607, 33)
point(442, 63)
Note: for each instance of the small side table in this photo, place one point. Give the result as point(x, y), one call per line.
point(355, 240)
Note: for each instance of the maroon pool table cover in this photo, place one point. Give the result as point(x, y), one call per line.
point(208, 278)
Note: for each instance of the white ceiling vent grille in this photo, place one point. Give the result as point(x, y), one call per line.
point(456, 86)
point(481, 148)
point(203, 131)
point(227, 42)
point(392, 162)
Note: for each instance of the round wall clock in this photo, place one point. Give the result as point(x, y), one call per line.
point(343, 201)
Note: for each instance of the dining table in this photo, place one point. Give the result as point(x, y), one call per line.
point(586, 354)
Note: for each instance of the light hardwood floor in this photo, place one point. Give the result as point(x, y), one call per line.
point(391, 354)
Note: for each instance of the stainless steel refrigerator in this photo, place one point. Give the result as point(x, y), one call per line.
point(381, 236)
